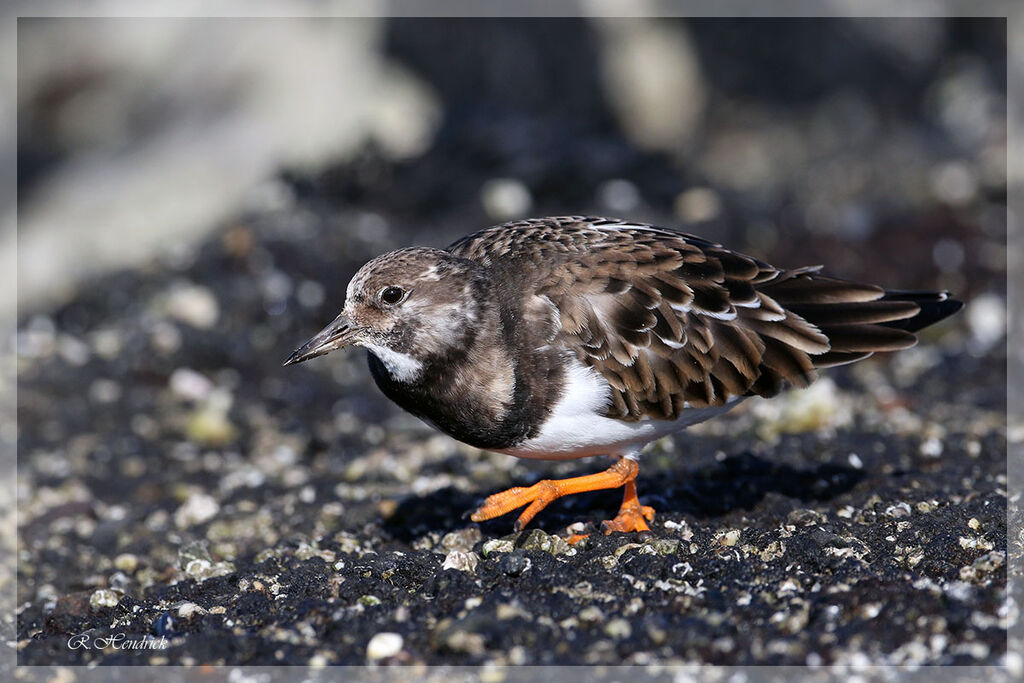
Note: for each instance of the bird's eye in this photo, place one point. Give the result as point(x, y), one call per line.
point(392, 295)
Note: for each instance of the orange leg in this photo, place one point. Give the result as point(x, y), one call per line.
point(630, 517)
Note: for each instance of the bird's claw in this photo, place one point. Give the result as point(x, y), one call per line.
point(630, 518)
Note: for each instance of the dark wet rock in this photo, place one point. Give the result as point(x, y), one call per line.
point(514, 563)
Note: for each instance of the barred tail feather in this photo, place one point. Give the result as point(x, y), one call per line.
point(856, 329)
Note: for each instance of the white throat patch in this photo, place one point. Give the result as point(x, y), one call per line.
point(402, 367)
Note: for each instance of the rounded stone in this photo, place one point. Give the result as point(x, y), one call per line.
point(383, 646)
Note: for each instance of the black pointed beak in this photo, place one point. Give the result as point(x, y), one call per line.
point(341, 332)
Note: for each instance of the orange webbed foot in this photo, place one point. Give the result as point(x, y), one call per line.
point(634, 519)
point(632, 515)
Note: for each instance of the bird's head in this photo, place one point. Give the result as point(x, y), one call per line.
point(404, 307)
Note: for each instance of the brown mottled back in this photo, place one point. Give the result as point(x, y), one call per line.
point(672, 320)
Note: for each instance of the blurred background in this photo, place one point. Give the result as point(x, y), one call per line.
point(194, 195)
point(840, 141)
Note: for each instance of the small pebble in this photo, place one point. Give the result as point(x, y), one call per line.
point(73, 351)
point(104, 391)
point(698, 204)
point(194, 559)
point(498, 545)
point(931, 448)
point(986, 319)
point(466, 642)
point(106, 343)
point(805, 517)
point(462, 561)
point(383, 646)
point(189, 384)
point(198, 508)
point(535, 539)
point(505, 198)
point(126, 562)
point(899, 510)
point(119, 582)
point(196, 550)
point(621, 196)
point(189, 609)
point(729, 538)
point(514, 564)
point(463, 539)
point(310, 294)
point(618, 628)
point(191, 304)
point(104, 597)
point(210, 426)
point(664, 546)
point(165, 338)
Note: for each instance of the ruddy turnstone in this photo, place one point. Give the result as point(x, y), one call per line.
point(567, 337)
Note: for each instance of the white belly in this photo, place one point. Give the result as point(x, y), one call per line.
point(577, 429)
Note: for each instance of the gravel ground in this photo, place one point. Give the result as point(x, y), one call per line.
point(175, 484)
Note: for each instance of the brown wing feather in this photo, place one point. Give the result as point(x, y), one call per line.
point(672, 320)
